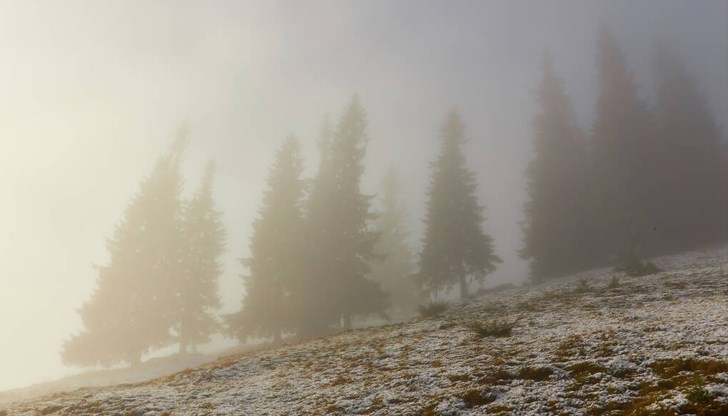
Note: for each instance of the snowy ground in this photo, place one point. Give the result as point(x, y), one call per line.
point(649, 345)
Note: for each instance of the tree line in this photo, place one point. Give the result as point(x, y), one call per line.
point(643, 181)
point(321, 254)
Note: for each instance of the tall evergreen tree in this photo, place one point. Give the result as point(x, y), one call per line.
point(623, 159)
point(455, 247)
point(556, 229)
point(204, 237)
point(130, 312)
point(690, 170)
point(275, 247)
point(393, 271)
point(340, 239)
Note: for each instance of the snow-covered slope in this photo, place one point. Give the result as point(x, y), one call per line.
point(648, 345)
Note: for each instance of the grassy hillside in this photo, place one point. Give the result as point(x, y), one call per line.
point(587, 345)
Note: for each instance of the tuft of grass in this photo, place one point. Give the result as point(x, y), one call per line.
point(613, 283)
point(583, 286)
point(475, 397)
point(535, 373)
point(497, 329)
point(633, 266)
point(433, 309)
point(698, 394)
point(669, 368)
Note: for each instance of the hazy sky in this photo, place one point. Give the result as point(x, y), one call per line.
point(91, 92)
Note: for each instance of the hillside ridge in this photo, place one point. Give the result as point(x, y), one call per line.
point(585, 345)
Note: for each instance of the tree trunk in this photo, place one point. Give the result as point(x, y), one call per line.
point(463, 289)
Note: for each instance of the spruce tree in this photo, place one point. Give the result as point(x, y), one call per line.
point(690, 170)
point(556, 229)
point(623, 160)
point(455, 247)
point(204, 237)
point(340, 239)
point(394, 269)
point(131, 309)
point(275, 247)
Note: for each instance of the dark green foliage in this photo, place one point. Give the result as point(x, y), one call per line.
point(432, 309)
point(204, 237)
point(393, 269)
point(340, 241)
point(455, 248)
point(276, 248)
point(496, 329)
point(134, 304)
point(698, 394)
point(557, 221)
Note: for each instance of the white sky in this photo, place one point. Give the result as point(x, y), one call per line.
point(92, 92)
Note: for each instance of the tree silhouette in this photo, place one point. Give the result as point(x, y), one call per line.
point(340, 241)
point(204, 239)
point(557, 212)
point(623, 159)
point(690, 183)
point(275, 247)
point(131, 309)
point(455, 248)
point(393, 271)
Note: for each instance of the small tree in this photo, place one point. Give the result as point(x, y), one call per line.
point(204, 239)
point(455, 248)
point(275, 262)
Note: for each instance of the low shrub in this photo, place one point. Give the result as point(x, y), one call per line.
point(433, 309)
point(631, 264)
point(613, 283)
point(496, 329)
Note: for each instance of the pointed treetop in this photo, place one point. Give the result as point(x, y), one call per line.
point(181, 141)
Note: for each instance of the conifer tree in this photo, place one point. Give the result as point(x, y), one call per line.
point(623, 160)
point(690, 169)
point(556, 229)
point(340, 239)
point(275, 246)
point(130, 311)
point(394, 269)
point(455, 247)
point(204, 239)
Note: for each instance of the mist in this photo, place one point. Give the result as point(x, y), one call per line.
point(93, 93)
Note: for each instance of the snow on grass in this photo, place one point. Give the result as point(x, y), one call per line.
point(647, 345)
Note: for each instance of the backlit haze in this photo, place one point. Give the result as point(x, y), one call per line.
point(91, 93)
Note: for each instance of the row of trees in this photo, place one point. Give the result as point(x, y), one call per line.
point(319, 253)
point(646, 180)
point(322, 252)
point(321, 256)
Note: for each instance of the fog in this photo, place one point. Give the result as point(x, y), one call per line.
point(92, 94)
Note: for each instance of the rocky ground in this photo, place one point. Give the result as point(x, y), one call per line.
point(587, 345)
